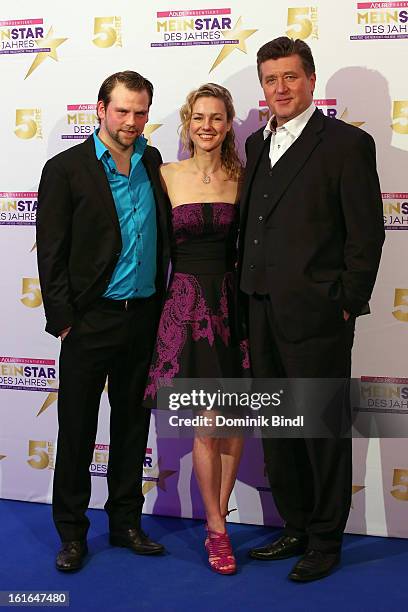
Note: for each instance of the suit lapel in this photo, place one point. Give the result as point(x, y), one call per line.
point(100, 181)
point(151, 166)
point(152, 172)
point(291, 162)
point(252, 163)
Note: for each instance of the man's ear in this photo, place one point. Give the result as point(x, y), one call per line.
point(313, 81)
point(100, 109)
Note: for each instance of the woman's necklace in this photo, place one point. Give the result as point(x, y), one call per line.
point(206, 178)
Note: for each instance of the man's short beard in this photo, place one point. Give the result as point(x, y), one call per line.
point(116, 138)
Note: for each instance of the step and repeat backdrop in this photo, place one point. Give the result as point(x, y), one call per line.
point(52, 64)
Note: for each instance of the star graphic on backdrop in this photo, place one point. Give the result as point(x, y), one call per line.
point(236, 34)
point(50, 399)
point(356, 489)
point(149, 129)
point(163, 474)
point(344, 117)
point(53, 395)
point(148, 486)
point(158, 477)
point(47, 42)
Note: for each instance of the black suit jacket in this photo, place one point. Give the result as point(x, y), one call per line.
point(78, 234)
point(323, 228)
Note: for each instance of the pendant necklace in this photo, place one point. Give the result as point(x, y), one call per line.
point(206, 178)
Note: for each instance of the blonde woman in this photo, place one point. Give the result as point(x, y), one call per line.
point(197, 336)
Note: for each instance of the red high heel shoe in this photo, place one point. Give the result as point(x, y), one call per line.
point(220, 555)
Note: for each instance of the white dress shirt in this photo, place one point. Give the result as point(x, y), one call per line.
point(285, 135)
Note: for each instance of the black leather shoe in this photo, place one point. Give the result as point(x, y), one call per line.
point(136, 540)
point(283, 548)
point(71, 556)
point(314, 565)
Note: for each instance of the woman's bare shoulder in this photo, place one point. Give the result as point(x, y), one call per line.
point(172, 168)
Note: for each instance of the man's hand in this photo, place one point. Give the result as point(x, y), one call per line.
point(346, 315)
point(64, 333)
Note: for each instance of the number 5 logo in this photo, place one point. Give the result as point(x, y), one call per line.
point(38, 457)
point(400, 116)
point(400, 479)
point(26, 127)
point(401, 299)
point(31, 293)
point(106, 34)
point(299, 19)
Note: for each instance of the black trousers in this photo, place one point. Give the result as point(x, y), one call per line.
point(310, 478)
point(105, 341)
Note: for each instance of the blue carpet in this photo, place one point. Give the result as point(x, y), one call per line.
point(371, 578)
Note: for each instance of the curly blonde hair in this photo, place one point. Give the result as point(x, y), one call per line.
point(229, 157)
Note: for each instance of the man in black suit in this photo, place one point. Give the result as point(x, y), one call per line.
point(311, 238)
point(103, 253)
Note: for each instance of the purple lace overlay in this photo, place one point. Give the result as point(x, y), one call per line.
point(185, 308)
point(199, 303)
point(187, 221)
point(244, 346)
point(223, 216)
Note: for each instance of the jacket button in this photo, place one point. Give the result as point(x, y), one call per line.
point(256, 241)
point(260, 218)
point(266, 195)
point(252, 267)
